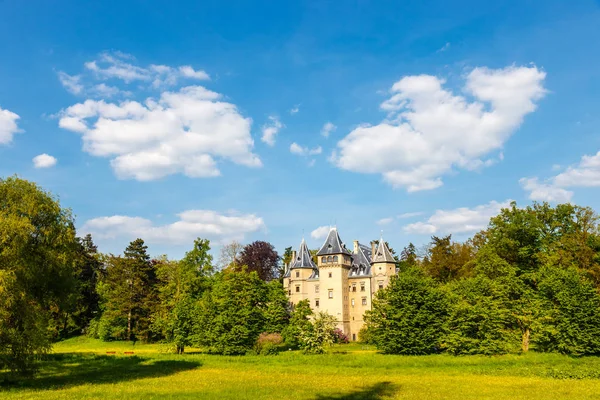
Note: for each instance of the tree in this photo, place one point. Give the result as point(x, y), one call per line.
point(229, 255)
point(480, 320)
point(447, 260)
point(408, 257)
point(319, 334)
point(181, 284)
point(408, 316)
point(37, 269)
point(231, 314)
point(260, 257)
point(276, 311)
point(129, 294)
point(299, 322)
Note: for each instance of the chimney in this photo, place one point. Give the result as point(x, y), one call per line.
point(373, 244)
point(356, 247)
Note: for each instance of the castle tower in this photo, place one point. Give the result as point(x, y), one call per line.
point(383, 266)
point(334, 262)
point(301, 275)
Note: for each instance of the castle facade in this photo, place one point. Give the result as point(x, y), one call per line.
point(342, 282)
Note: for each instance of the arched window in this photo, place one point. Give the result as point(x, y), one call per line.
point(328, 258)
point(335, 258)
point(323, 259)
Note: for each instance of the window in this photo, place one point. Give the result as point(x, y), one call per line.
point(362, 286)
point(297, 289)
point(364, 301)
point(329, 258)
point(330, 294)
point(316, 288)
point(354, 287)
point(330, 274)
point(335, 258)
point(323, 259)
point(380, 284)
point(380, 268)
point(352, 301)
point(317, 303)
point(290, 292)
point(354, 337)
point(297, 274)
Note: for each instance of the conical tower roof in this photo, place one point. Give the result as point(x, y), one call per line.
point(333, 244)
point(303, 258)
point(382, 254)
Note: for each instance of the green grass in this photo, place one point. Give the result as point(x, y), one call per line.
point(80, 369)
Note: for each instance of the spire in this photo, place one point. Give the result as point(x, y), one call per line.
point(333, 244)
point(303, 258)
point(382, 254)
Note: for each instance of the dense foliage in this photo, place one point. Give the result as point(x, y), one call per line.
point(531, 280)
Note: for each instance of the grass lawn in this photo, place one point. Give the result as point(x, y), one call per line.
point(80, 369)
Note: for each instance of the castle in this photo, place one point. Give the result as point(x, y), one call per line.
point(343, 282)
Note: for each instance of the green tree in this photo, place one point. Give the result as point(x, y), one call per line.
point(408, 316)
point(231, 314)
point(129, 293)
point(276, 311)
point(299, 321)
point(181, 284)
point(319, 334)
point(37, 269)
point(447, 260)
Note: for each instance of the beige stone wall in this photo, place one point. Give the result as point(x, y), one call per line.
point(381, 274)
point(357, 306)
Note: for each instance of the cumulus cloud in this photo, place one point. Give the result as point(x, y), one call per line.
point(429, 131)
point(586, 173)
point(320, 233)
point(8, 125)
point(459, 220)
point(270, 130)
point(190, 225)
point(385, 221)
point(295, 148)
point(327, 129)
point(186, 131)
point(44, 161)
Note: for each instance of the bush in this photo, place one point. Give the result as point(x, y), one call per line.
point(340, 337)
point(268, 344)
point(364, 335)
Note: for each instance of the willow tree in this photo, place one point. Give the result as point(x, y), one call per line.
point(37, 271)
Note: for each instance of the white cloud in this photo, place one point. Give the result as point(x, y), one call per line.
point(295, 109)
point(270, 130)
point(190, 225)
point(429, 131)
point(584, 174)
point(385, 221)
point(459, 220)
point(320, 233)
point(189, 72)
point(8, 125)
point(410, 215)
point(106, 91)
point(187, 131)
point(295, 148)
point(327, 129)
point(71, 82)
point(44, 161)
point(544, 191)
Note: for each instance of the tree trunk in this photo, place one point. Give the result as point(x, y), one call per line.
point(129, 325)
point(525, 345)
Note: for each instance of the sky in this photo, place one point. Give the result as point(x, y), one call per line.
point(264, 120)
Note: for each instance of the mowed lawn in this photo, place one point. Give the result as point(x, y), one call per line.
point(80, 369)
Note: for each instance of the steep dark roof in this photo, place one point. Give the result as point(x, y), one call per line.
point(303, 258)
point(333, 244)
point(361, 262)
point(383, 254)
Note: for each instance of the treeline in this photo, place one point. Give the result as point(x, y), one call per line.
point(54, 285)
point(531, 280)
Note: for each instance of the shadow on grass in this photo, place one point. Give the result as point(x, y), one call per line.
point(377, 391)
point(65, 370)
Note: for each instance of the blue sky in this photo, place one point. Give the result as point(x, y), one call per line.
point(206, 119)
